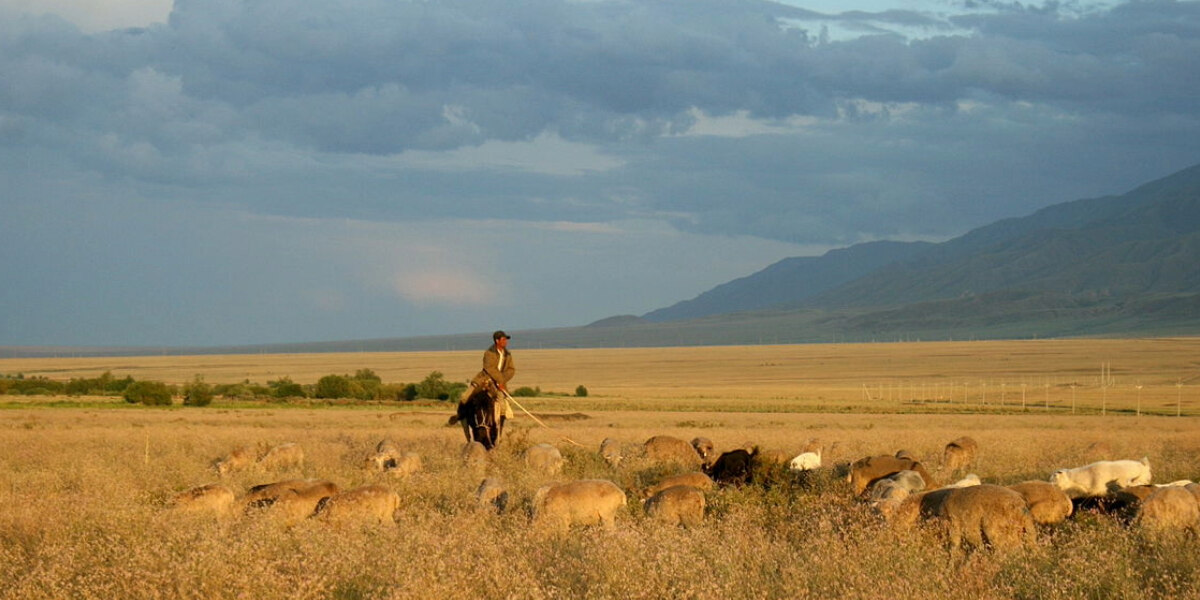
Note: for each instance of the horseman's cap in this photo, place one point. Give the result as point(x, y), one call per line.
point(500, 334)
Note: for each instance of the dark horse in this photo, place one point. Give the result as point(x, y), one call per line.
point(478, 417)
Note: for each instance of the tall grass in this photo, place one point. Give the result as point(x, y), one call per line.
point(85, 492)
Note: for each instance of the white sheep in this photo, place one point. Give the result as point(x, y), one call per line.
point(806, 461)
point(1099, 478)
point(967, 481)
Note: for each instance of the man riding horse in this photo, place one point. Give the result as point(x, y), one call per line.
point(483, 409)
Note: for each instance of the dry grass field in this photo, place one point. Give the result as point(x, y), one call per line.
point(86, 490)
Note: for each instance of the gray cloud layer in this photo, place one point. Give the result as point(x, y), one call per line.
point(403, 112)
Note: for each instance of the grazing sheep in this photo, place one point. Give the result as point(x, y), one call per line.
point(959, 454)
point(989, 514)
point(610, 450)
point(896, 486)
point(371, 503)
point(697, 480)
point(294, 505)
point(667, 449)
point(474, 454)
point(705, 448)
point(239, 459)
point(582, 502)
point(806, 461)
point(384, 457)
point(865, 471)
point(677, 505)
point(387, 446)
point(492, 494)
point(1047, 504)
point(1194, 488)
point(544, 459)
point(731, 468)
point(213, 498)
point(282, 457)
point(1098, 478)
point(262, 496)
point(967, 481)
point(1168, 510)
point(406, 464)
point(813, 445)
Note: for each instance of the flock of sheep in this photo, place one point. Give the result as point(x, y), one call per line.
point(898, 487)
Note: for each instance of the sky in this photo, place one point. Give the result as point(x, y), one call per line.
point(222, 172)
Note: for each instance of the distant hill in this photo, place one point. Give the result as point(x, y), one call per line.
point(1139, 249)
point(791, 280)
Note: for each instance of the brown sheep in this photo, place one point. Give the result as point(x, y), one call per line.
point(988, 513)
point(705, 448)
point(213, 498)
point(667, 449)
point(406, 464)
point(697, 480)
point(977, 515)
point(959, 454)
point(1047, 504)
point(865, 471)
point(384, 457)
point(544, 459)
point(282, 457)
point(267, 494)
point(294, 505)
point(492, 495)
point(371, 503)
point(387, 446)
point(240, 459)
point(582, 502)
point(1168, 510)
point(610, 451)
point(677, 505)
point(474, 454)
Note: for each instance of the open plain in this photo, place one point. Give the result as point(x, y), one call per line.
point(87, 483)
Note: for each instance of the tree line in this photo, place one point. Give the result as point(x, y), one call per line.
point(363, 385)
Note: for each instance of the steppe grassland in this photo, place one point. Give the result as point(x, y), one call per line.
point(821, 377)
point(84, 490)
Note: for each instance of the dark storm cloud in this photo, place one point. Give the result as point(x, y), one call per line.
point(714, 117)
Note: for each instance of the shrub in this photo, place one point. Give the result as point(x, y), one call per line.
point(333, 386)
point(197, 393)
point(149, 393)
point(581, 392)
point(527, 392)
point(284, 387)
point(435, 387)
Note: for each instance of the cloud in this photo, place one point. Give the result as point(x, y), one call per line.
point(631, 141)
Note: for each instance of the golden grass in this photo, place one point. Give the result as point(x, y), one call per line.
point(955, 376)
point(84, 488)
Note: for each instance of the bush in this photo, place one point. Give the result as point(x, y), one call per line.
point(333, 386)
point(435, 387)
point(197, 393)
point(527, 392)
point(149, 393)
point(284, 387)
point(581, 392)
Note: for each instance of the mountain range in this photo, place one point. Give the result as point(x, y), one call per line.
point(1124, 265)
